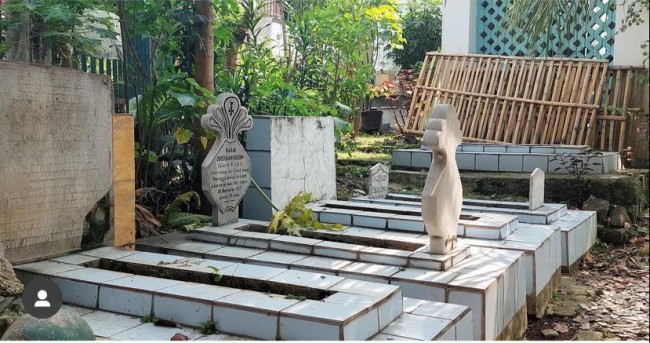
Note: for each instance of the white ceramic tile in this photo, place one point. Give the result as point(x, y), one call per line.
point(334, 217)
point(150, 259)
point(77, 293)
point(251, 271)
point(196, 291)
point(109, 253)
point(406, 223)
point(135, 303)
point(410, 304)
point(441, 310)
point(92, 275)
point(75, 259)
point(321, 264)
point(369, 221)
point(106, 324)
point(390, 310)
point(302, 330)
point(365, 288)
point(475, 301)
point(386, 337)
point(362, 327)
point(299, 245)
point(338, 250)
point(150, 332)
point(307, 279)
point(183, 311)
point(221, 337)
point(378, 272)
point(234, 253)
point(491, 314)
point(385, 256)
point(255, 301)
point(46, 267)
point(417, 327)
point(481, 233)
point(275, 258)
point(448, 334)
point(509, 284)
point(465, 328)
point(421, 290)
point(138, 282)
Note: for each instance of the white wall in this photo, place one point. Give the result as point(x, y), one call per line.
point(459, 26)
point(627, 47)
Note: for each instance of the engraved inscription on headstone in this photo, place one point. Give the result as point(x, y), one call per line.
point(536, 191)
point(226, 171)
point(55, 156)
point(378, 182)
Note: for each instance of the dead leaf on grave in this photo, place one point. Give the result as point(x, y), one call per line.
point(585, 326)
point(179, 337)
point(561, 327)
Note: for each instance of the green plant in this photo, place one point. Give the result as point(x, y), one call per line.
point(296, 217)
point(541, 20)
point(176, 218)
point(295, 297)
point(44, 31)
point(208, 328)
point(217, 274)
point(577, 164)
point(422, 24)
point(148, 319)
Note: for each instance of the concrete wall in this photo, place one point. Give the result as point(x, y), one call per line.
point(459, 26)
point(289, 155)
point(55, 124)
point(627, 47)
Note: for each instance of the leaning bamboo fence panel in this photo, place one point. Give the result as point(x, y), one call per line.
point(512, 99)
point(622, 109)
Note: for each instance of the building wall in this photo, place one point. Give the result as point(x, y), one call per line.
point(459, 26)
point(627, 49)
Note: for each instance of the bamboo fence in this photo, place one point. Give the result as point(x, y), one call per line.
point(513, 99)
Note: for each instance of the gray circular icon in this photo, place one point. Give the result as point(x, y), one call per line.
point(42, 298)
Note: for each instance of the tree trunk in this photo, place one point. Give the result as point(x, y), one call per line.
point(204, 75)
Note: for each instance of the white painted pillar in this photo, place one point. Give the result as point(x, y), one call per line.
point(459, 26)
point(627, 46)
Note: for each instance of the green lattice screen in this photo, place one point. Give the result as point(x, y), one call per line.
point(596, 40)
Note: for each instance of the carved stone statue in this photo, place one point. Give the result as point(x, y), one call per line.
point(442, 197)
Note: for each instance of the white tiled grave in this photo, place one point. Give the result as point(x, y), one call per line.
point(409, 218)
point(350, 310)
point(545, 214)
point(431, 284)
point(578, 228)
point(508, 158)
point(540, 244)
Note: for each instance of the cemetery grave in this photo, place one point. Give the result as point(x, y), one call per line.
point(390, 274)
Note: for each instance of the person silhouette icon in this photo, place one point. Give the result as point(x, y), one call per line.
point(42, 295)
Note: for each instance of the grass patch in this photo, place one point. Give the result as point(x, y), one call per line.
point(367, 157)
point(148, 319)
point(208, 328)
point(496, 196)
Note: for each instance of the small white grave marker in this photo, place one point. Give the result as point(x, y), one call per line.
point(226, 170)
point(378, 182)
point(536, 191)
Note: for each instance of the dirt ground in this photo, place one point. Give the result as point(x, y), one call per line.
point(605, 299)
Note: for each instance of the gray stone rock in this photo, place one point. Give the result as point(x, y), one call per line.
point(9, 283)
point(550, 333)
point(64, 325)
point(589, 336)
point(614, 235)
point(619, 216)
point(599, 205)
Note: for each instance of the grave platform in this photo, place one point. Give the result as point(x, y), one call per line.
point(540, 244)
point(517, 158)
point(578, 228)
point(282, 303)
point(481, 286)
